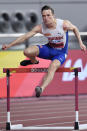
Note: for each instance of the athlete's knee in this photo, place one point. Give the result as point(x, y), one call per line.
point(31, 51)
point(51, 69)
point(54, 65)
point(26, 52)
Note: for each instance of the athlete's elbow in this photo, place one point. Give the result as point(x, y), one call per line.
point(75, 29)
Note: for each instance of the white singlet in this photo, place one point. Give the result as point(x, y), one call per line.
point(57, 36)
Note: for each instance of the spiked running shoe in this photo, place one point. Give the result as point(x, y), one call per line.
point(27, 62)
point(38, 91)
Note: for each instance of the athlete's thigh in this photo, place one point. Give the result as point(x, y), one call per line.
point(44, 51)
point(61, 57)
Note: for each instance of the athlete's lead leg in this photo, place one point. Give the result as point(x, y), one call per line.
point(31, 52)
point(48, 77)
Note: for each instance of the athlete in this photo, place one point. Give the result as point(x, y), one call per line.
point(56, 50)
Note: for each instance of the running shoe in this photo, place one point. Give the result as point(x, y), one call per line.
point(38, 91)
point(27, 62)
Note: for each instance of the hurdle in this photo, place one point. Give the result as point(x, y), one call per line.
point(76, 126)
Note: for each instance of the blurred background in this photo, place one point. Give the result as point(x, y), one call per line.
point(20, 16)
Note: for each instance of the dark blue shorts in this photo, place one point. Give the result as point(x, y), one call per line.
point(47, 52)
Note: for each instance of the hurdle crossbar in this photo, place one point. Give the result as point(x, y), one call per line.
point(77, 126)
point(35, 70)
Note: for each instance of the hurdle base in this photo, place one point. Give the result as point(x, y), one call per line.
point(76, 126)
point(83, 126)
point(21, 127)
point(8, 126)
point(16, 127)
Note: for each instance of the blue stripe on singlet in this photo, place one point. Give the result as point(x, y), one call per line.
point(65, 49)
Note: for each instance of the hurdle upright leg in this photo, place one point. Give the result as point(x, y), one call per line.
point(76, 126)
point(8, 123)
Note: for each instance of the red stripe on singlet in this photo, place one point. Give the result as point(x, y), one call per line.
point(57, 45)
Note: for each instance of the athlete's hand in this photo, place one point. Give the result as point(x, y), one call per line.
point(5, 47)
point(83, 47)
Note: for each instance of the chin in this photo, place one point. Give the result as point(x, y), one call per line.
point(48, 23)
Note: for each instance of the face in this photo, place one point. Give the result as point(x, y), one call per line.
point(48, 17)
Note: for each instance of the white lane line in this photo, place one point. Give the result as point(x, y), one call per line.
point(40, 101)
point(44, 113)
point(34, 109)
point(41, 109)
point(33, 114)
point(46, 118)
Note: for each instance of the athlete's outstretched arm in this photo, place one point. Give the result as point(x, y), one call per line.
point(67, 25)
point(21, 39)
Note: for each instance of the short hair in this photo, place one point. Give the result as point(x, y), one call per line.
point(46, 7)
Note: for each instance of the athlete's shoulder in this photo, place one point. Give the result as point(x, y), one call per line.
point(59, 19)
point(67, 25)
